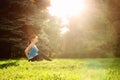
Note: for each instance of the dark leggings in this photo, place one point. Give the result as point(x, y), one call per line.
point(40, 57)
point(36, 58)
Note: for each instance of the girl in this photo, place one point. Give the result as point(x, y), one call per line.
point(32, 51)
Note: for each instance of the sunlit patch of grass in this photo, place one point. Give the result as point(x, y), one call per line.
point(60, 69)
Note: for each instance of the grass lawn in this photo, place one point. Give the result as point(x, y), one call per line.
point(61, 69)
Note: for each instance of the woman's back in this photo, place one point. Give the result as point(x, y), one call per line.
point(33, 52)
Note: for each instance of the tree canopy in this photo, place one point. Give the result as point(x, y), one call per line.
point(91, 34)
point(19, 20)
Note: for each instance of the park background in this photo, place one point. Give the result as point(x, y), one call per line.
point(93, 32)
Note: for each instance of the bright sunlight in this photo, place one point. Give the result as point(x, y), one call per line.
point(64, 30)
point(66, 8)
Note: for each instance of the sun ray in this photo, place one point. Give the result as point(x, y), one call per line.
point(66, 8)
point(64, 30)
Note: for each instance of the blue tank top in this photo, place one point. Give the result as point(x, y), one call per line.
point(33, 52)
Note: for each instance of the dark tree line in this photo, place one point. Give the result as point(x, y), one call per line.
point(114, 16)
point(17, 23)
point(94, 33)
point(21, 18)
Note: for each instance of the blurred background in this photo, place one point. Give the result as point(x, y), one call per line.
point(66, 28)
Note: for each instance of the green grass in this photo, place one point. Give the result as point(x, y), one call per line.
point(61, 69)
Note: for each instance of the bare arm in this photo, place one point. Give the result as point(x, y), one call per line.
point(28, 49)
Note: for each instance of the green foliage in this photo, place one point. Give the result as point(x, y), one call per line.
point(92, 34)
point(89, 36)
point(52, 30)
point(115, 20)
point(61, 69)
point(19, 20)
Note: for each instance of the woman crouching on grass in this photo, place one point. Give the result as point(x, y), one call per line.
point(32, 51)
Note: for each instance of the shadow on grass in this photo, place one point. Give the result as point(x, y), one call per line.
point(8, 64)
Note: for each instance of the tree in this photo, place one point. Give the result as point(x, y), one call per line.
point(19, 19)
point(114, 17)
point(90, 33)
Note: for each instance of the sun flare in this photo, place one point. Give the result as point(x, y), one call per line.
point(64, 30)
point(66, 8)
